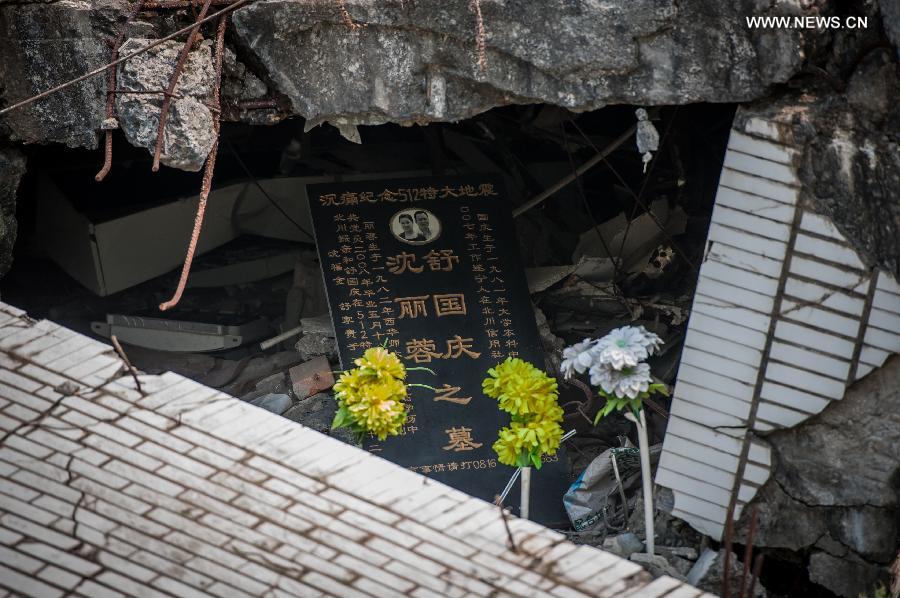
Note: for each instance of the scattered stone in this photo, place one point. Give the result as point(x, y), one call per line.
point(276, 403)
point(317, 338)
point(317, 412)
point(683, 552)
point(656, 565)
point(623, 545)
point(709, 571)
point(67, 388)
point(189, 132)
point(274, 383)
point(311, 377)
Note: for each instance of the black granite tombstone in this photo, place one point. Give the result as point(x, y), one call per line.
point(430, 269)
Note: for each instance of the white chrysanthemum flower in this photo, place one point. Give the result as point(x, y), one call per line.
point(627, 382)
point(627, 346)
point(578, 358)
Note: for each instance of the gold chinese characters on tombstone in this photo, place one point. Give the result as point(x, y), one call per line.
point(429, 268)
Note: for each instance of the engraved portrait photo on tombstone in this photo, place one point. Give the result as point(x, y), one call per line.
point(415, 226)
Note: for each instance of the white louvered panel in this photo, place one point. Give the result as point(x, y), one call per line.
point(711, 438)
point(706, 416)
point(814, 335)
point(873, 356)
point(761, 167)
point(754, 204)
point(737, 257)
point(824, 273)
point(712, 399)
point(885, 320)
point(851, 302)
point(757, 147)
point(760, 127)
point(756, 474)
point(780, 417)
point(827, 343)
point(797, 378)
point(693, 486)
point(827, 250)
point(709, 379)
point(760, 453)
point(725, 293)
point(882, 339)
point(719, 346)
point(863, 370)
point(745, 495)
point(725, 365)
point(791, 397)
point(743, 317)
point(733, 179)
point(819, 318)
point(693, 450)
point(885, 300)
point(725, 329)
point(747, 242)
point(888, 284)
point(698, 522)
point(820, 225)
point(756, 225)
point(721, 478)
point(810, 359)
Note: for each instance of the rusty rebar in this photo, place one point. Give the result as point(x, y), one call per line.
point(173, 82)
point(757, 571)
point(748, 548)
point(126, 58)
point(346, 18)
point(126, 361)
point(480, 34)
point(726, 575)
point(179, 4)
point(110, 90)
point(207, 172)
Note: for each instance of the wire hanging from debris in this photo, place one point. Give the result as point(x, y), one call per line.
point(207, 171)
point(127, 57)
point(262, 190)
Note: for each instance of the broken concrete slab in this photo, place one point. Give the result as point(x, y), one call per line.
point(189, 134)
point(417, 61)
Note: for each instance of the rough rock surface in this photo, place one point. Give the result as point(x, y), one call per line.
point(12, 167)
point(417, 61)
point(189, 126)
point(849, 164)
point(45, 44)
point(834, 488)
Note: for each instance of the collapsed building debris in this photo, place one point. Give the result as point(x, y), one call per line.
point(604, 242)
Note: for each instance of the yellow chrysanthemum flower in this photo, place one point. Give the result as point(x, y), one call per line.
point(380, 408)
point(381, 363)
point(371, 396)
point(531, 397)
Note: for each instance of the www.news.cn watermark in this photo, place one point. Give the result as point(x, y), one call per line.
point(807, 22)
